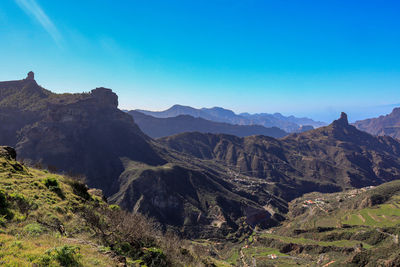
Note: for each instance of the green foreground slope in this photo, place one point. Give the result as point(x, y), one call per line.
point(52, 220)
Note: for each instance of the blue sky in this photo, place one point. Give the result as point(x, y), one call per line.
point(312, 58)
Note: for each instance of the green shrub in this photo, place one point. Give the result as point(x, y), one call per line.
point(4, 206)
point(124, 248)
point(51, 181)
point(22, 203)
point(52, 184)
point(80, 189)
point(3, 220)
point(66, 255)
point(34, 229)
point(154, 257)
point(114, 207)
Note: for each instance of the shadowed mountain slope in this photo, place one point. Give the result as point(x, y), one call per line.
point(76, 133)
point(328, 158)
point(383, 125)
point(288, 124)
point(161, 127)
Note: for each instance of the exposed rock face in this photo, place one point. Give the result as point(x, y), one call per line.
point(8, 152)
point(30, 76)
point(105, 97)
point(81, 134)
point(383, 125)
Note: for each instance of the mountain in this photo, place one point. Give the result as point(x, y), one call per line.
point(161, 127)
point(383, 125)
point(326, 159)
point(86, 134)
point(217, 114)
point(75, 133)
point(196, 184)
point(290, 123)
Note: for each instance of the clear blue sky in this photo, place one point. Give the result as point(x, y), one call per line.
point(313, 58)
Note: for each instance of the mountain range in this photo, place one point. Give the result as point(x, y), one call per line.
point(161, 127)
point(383, 125)
point(198, 184)
point(218, 114)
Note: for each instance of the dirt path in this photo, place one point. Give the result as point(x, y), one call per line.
point(329, 263)
point(395, 237)
point(361, 217)
point(374, 217)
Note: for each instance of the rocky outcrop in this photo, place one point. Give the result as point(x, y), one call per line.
point(80, 134)
point(8, 153)
point(30, 76)
point(105, 96)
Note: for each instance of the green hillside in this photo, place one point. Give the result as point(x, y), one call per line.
point(52, 220)
point(359, 227)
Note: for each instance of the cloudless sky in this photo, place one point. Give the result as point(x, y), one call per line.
point(312, 58)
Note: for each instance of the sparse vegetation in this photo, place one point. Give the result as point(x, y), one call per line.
point(52, 220)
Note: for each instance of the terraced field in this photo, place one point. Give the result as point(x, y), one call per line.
point(355, 228)
point(384, 215)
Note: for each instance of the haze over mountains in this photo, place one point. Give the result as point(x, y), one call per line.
point(288, 124)
point(161, 127)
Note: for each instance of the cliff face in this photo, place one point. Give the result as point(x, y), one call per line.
point(83, 134)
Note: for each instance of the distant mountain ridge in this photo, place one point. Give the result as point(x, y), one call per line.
point(383, 125)
point(161, 127)
point(327, 158)
point(218, 114)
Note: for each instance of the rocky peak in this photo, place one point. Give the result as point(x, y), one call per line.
point(30, 76)
point(105, 96)
point(342, 121)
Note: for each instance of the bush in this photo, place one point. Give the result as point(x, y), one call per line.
point(53, 185)
point(114, 207)
point(50, 181)
point(79, 189)
point(154, 257)
point(65, 255)
point(34, 229)
point(22, 203)
point(3, 220)
point(4, 206)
